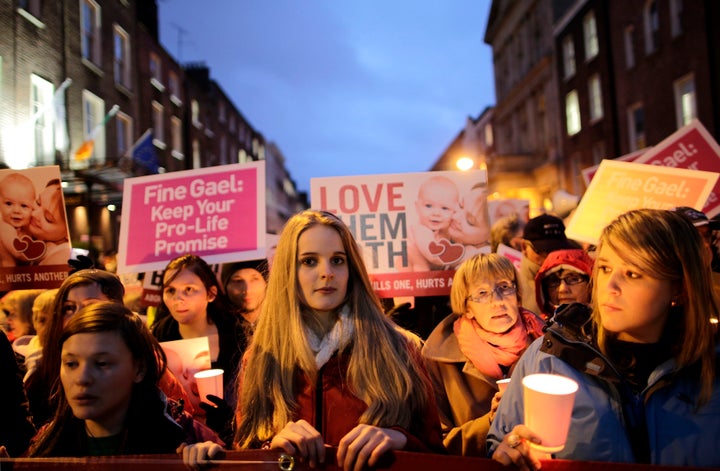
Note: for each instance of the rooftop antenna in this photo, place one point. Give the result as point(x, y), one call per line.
point(180, 33)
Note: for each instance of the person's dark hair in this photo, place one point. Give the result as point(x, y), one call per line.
point(65, 435)
point(199, 267)
point(48, 371)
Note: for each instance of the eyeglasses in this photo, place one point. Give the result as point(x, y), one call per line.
point(570, 280)
point(484, 296)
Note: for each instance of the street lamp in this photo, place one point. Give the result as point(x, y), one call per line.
point(465, 163)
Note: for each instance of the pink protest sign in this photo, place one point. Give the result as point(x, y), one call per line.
point(621, 186)
point(217, 213)
point(414, 228)
point(691, 147)
point(589, 172)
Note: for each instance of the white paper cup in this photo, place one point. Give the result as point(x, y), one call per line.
point(502, 384)
point(549, 402)
point(209, 382)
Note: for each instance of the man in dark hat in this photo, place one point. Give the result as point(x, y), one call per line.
point(245, 283)
point(705, 228)
point(542, 234)
point(701, 223)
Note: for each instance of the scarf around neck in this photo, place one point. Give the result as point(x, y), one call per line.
point(338, 337)
point(488, 351)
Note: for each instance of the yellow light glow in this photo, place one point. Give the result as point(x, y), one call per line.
point(465, 163)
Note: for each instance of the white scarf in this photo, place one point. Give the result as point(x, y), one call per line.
point(338, 337)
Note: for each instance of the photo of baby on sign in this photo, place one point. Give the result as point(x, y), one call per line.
point(34, 236)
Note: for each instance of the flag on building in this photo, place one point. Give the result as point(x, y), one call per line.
point(62, 139)
point(143, 152)
point(86, 149)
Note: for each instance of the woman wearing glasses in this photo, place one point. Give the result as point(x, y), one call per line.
point(475, 346)
point(563, 278)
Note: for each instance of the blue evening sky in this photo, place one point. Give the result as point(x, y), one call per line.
point(343, 87)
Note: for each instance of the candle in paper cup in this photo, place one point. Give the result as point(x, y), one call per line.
point(209, 382)
point(502, 384)
point(549, 402)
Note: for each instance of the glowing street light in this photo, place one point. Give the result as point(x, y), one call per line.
point(465, 163)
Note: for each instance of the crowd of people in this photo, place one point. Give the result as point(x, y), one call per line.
point(313, 358)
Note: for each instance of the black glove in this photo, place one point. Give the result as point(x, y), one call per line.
point(219, 417)
point(82, 262)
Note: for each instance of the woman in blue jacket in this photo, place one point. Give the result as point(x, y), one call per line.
point(644, 355)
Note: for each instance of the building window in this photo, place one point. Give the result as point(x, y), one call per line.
point(93, 116)
point(568, 48)
point(90, 31)
point(590, 35)
point(31, 6)
point(685, 100)
point(174, 86)
point(42, 93)
point(598, 152)
point(572, 113)
point(651, 22)
point(243, 157)
point(156, 71)
point(676, 7)
point(489, 135)
point(629, 40)
point(636, 127)
point(123, 124)
point(595, 95)
point(31, 11)
point(158, 124)
point(232, 127)
point(195, 112)
point(176, 136)
point(223, 149)
point(121, 56)
point(196, 154)
point(222, 112)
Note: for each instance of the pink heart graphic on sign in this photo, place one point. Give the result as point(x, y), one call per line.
point(452, 252)
point(435, 248)
point(32, 249)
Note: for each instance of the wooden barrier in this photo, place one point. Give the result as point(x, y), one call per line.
point(257, 460)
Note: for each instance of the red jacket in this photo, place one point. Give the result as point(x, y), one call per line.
point(338, 410)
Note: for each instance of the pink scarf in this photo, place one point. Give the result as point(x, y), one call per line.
point(487, 350)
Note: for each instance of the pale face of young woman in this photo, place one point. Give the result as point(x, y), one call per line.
point(186, 296)
point(632, 303)
point(98, 373)
point(322, 268)
point(492, 310)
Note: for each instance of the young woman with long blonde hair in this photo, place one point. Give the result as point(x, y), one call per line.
point(326, 366)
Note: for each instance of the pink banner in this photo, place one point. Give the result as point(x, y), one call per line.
point(690, 147)
point(217, 213)
point(415, 229)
